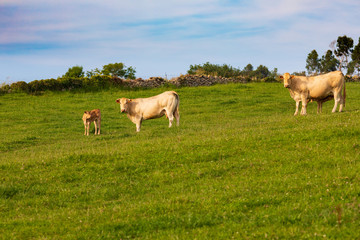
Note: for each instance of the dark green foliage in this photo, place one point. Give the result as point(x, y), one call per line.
point(228, 71)
point(96, 82)
point(312, 62)
point(20, 86)
point(214, 70)
point(343, 50)
point(4, 88)
point(114, 70)
point(74, 72)
point(261, 72)
point(328, 62)
point(355, 56)
point(303, 73)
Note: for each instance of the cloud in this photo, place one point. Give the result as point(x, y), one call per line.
point(167, 36)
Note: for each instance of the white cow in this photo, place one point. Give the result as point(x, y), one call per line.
point(319, 88)
point(140, 109)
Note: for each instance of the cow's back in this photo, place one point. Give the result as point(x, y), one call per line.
point(95, 114)
point(323, 85)
point(153, 107)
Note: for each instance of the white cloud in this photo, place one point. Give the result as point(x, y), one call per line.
point(154, 36)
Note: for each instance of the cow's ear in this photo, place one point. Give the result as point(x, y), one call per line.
point(281, 77)
point(118, 100)
point(292, 76)
point(128, 100)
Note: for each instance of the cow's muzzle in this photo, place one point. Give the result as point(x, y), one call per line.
point(286, 85)
point(122, 110)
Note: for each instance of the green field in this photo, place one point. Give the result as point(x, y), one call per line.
point(240, 165)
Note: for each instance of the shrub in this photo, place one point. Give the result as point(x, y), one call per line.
point(20, 86)
point(5, 88)
point(36, 86)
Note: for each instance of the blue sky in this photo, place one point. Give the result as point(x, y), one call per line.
point(41, 39)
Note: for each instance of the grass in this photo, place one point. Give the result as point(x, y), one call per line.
point(239, 166)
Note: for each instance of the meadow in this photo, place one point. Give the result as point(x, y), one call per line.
point(239, 166)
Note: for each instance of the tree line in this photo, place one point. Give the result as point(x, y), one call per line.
point(111, 69)
point(342, 55)
point(261, 73)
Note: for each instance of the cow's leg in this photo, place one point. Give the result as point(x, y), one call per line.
point(87, 128)
point(337, 99)
point(304, 105)
point(342, 101)
point(177, 116)
point(138, 124)
point(99, 126)
point(170, 116)
point(319, 107)
point(96, 127)
point(297, 107)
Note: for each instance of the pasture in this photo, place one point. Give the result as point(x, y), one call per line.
point(240, 165)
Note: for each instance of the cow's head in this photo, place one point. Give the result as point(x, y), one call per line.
point(123, 103)
point(86, 116)
point(287, 79)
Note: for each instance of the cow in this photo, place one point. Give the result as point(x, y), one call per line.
point(92, 116)
point(139, 109)
point(319, 88)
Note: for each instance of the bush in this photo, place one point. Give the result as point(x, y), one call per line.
point(51, 84)
point(36, 86)
point(5, 88)
point(19, 87)
point(269, 79)
point(68, 83)
point(214, 70)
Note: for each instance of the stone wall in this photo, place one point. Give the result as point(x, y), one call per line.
point(181, 81)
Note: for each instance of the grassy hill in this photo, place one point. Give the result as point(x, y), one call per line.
point(240, 165)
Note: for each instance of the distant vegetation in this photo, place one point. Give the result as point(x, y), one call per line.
point(260, 73)
point(342, 55)
point(114, 75)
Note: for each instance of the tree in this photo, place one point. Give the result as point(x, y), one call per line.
point(214, 70)
point(74, 72)
point(130, 73)
point(274, 73)
point(312, 62)
point(93, 72)
point(328, 62)
point(302, 73)
point(350, 68)
point(355, 56)
point(343, 50)
point(248, 70)
point(262, 72)
point(114, 69)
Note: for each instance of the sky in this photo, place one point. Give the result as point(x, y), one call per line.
point(42, 39)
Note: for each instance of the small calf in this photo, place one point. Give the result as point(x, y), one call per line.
point(92, 116)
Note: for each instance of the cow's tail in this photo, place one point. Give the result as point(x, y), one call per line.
point(176, 110)
point(344, 95)
point(177, 102)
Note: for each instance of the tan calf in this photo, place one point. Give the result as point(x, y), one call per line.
point(92, 116)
